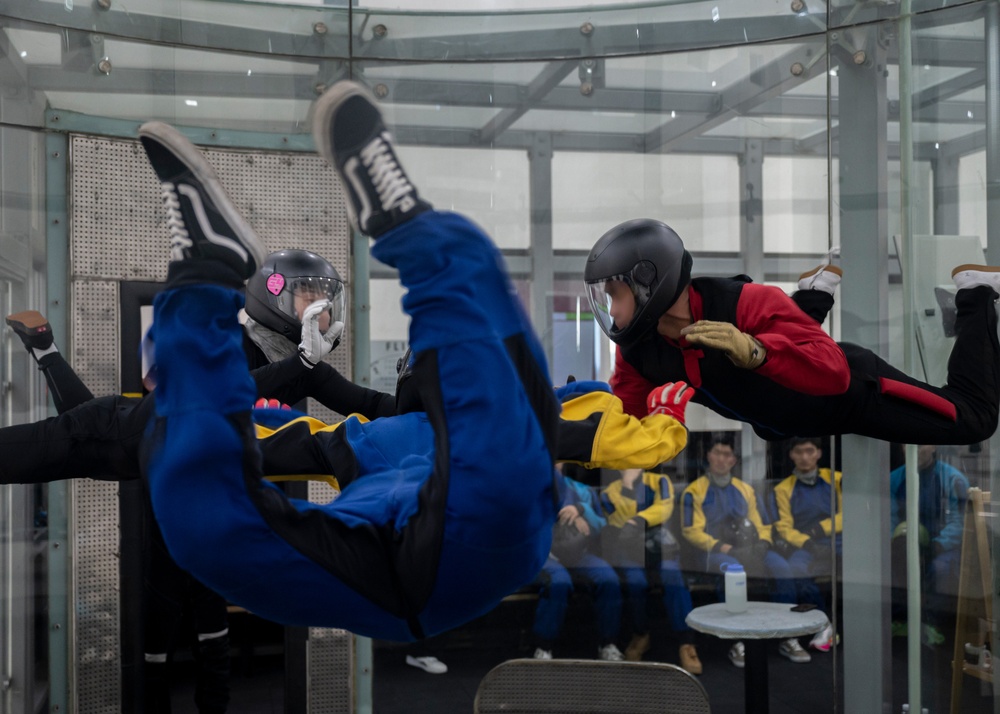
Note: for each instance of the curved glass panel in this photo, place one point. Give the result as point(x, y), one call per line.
point(777, 137)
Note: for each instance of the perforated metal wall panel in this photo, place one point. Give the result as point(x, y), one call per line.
point(95, 512)
point(118, 232)
point(331, 671)
point(96, 632)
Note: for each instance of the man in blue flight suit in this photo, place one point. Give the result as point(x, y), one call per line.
point(420, 539)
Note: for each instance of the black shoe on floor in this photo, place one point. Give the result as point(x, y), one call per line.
point(33, 329)
point(202, 220)
point(350, 134)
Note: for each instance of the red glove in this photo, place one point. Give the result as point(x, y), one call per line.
point(270, 404)
point(670, 399)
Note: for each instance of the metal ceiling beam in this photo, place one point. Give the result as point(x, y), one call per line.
point(601, 40)
point(302, 87)
point(943, 52)
point(179, 82)
point(739, 99)
point(951, 88)
point(541, 85)
point(560, 98)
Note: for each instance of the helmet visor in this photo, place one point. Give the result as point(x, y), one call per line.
point(307, 290)
point(600, 304)
point(615, 302)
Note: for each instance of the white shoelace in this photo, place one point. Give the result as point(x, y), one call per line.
point(179, 239)
point(394, 190)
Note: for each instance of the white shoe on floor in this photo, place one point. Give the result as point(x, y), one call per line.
point(737, 655)
point(429, 664)
point(791, 649)
point(610, 653)
point(823, 640)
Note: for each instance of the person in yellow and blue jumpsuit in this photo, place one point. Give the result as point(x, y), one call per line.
point(638, 506)
point(803, 503)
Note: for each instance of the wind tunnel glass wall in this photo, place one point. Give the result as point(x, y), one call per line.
point(766, 134)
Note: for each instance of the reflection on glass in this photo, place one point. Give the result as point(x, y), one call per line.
point(943, 493)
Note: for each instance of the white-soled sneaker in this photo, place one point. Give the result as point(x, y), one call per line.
point(351, 135)
point(542, 654)
point(737, 655)
point(791, 649)
point(429, 664)
point(610, 653)
point(823, 640)
point(201, 218)
point(971, 276)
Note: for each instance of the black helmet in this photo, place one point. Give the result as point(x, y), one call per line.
point(287, 276)
point(651, 260)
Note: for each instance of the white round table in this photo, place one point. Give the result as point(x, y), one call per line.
point(760, 622)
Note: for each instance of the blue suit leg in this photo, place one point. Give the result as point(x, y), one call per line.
point(676, 596)
point(782, 582)
point(553, 601)
point(607, 594)
point(636, 587)
point(494, 416)
point(800, 563)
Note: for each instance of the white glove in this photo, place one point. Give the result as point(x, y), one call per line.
point(316, 345)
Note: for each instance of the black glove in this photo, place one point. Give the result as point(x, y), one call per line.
point(812, 547)
point(816, 531)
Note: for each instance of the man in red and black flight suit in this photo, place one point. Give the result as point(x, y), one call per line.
point(753, 354)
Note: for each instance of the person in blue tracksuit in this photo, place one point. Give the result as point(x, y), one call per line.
point(580, 514)
point(420, 539)
point(943, 493)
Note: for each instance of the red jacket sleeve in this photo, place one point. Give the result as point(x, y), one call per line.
point(630, 386)
point(800, 355)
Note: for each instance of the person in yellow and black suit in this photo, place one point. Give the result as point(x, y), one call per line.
point(803, 503)
point(639, 544)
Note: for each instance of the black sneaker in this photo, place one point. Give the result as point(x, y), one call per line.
point(350, 134)
point(33, 329)
point(202, 220)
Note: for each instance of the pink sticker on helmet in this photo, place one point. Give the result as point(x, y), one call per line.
point(275, 283)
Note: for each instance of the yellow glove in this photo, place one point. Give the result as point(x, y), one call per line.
point(742, 349)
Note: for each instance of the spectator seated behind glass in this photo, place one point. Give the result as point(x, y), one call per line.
point(572, 560)
point(721, 519)
point(802, 504)
point(943, 492)
point(639, 543)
